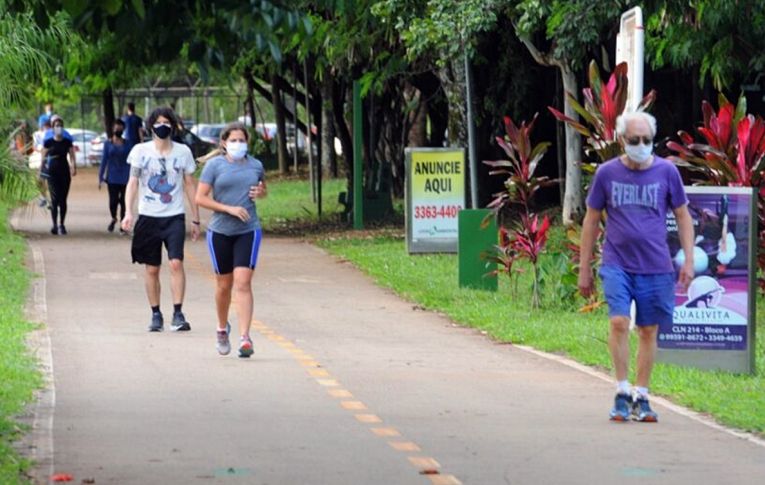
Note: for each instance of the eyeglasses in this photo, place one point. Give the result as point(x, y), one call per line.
point(635, 140)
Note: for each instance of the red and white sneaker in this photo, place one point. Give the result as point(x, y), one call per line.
point(245, 347)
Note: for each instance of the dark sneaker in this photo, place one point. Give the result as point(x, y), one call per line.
point(54, 230)
point(245, 347)
point(621, 410)
point(179, 323)
point(157, 323)
point(641, 411)
point(110, 228)
point(62, 230)
point(223, 345)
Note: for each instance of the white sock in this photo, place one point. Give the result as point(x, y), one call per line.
point(641, 391)
point(623, 387)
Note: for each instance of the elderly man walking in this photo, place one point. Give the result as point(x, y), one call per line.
point(636, 190)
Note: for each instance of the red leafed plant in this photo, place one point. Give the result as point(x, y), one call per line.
point(527, 237)
point(603, 103)
point(733, 155)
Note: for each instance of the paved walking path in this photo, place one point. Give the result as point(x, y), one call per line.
point(348, 385)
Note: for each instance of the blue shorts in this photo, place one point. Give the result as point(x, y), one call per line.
point(654, 295)
point(229, 252)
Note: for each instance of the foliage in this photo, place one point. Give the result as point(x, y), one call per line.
point(603, 103)
point(720, 37)
point(733, 155)
point(18, 373)
point(574, 29)
point(444, 27)
point(521, 183)
point(526, 239)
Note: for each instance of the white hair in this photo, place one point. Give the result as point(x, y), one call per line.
point(623, 119)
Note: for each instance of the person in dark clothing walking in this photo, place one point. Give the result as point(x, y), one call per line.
point(58, 163)
point(115, 171)
point(134, 132)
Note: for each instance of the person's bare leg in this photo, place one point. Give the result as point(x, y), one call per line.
point(243, 298)
point(646, 354)
point(151, 282)
point(223, 286)
point(619, 345)
point(177, 280)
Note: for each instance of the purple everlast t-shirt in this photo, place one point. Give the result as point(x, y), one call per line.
point(636, 203)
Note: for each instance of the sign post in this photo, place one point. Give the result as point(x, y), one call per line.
point(435, 193)
point(630, 49)
point(714, 319)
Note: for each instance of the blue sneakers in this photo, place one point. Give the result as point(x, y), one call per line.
point(622, 408)
point(641, 411)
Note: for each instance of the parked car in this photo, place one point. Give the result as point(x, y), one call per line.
point(97, 148)
point(199, 147)
point(208, 132)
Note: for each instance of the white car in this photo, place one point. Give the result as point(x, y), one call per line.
point(85, 152)
point(208, 132)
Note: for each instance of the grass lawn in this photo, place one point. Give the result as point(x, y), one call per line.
point(18, 374)
point(431, 281)
point(289, 203)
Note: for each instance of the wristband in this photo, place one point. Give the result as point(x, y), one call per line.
point(195, 222)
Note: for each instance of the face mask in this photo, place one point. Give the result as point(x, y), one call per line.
point(118, 133)
point(640, 153)
point(48, 112)
point(58, 130)
point(236, 149)
point(162, 131)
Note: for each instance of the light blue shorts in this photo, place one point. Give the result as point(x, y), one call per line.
point(654, 295)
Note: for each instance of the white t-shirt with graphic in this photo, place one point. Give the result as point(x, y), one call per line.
point(160, 178)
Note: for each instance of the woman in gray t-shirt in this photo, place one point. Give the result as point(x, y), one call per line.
point(228, 186)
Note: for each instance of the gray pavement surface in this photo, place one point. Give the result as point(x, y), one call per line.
point(348, 385)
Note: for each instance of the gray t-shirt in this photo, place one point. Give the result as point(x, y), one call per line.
point(231, 182)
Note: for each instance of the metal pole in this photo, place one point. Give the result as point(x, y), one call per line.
point(471, 135)
point(294, 116)
point(311, 177)
point(358, 189)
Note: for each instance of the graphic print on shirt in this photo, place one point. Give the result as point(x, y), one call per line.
point(623, 194)
point(161, 181)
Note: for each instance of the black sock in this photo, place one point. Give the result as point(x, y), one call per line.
point(155, 309)
point(177, 307)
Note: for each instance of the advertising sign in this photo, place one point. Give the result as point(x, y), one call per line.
point(713, 324)
point(435, 195)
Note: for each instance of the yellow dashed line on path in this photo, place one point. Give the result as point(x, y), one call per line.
point(425, 465)
point(404, 446)
point(386, 432)
point(353, 405)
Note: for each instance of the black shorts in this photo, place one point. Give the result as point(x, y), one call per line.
point(229, 252)
point(150, 233)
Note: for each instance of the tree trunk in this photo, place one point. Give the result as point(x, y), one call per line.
point(328, 155)
point(281, 128)
point(250, 101)
point(572, 201)
point(108, 100)
point(418, 117)
point(452, 78)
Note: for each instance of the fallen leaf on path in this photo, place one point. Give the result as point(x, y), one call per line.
point(61, 477)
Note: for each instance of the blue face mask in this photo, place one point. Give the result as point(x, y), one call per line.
point(639, 153)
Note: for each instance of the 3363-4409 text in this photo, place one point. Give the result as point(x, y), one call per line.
point(435, 211)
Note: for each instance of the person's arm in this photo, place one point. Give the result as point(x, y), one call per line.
point(43, 160)
point(102, 168)
point(131, 193)
point(72, 161)
point(258, 191)
point(685, 234)
point(587, 245)
point(190, 187)
point(204, 199)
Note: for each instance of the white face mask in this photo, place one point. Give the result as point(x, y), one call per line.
point(237, 149)
point(58, 130)
point(640, 153)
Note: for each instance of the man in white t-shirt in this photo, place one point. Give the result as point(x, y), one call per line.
point(160, 173)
